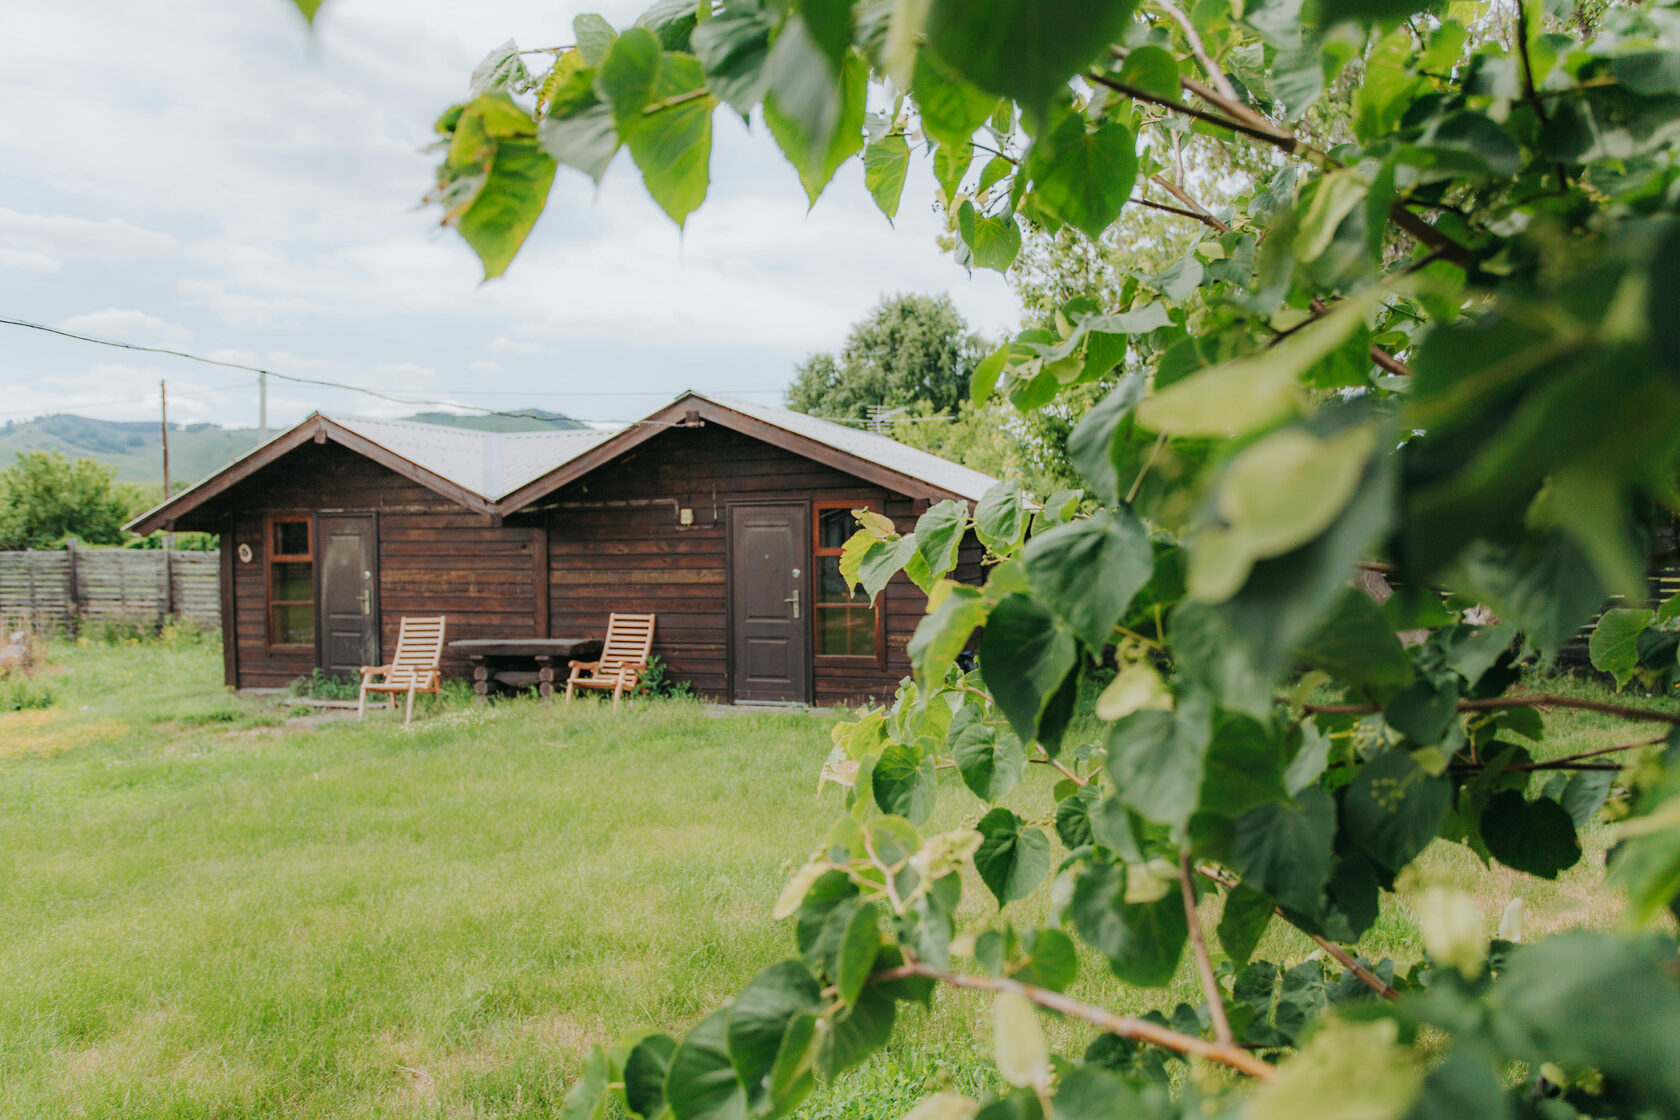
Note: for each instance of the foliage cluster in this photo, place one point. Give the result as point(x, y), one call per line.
point(910, 352)
point(45, 498)
point(322, 685)
point(658, 682)
point(1432, 331)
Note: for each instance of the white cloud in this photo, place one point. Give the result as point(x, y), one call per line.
point(28, 260)
point(125, 324)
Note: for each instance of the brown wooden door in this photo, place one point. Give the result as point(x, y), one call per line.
point(348, 546)
point(769, 609)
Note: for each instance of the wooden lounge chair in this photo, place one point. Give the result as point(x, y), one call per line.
point(624, 657)
point(413, 669)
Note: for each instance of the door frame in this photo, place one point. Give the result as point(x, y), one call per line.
point(372, 515)
point(802, 549)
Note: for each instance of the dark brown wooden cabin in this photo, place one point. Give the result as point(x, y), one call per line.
point(725, 520)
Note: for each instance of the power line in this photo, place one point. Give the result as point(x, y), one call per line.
point(403, 400)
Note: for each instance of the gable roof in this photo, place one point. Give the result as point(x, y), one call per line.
point(500, 472)
point(873, 458)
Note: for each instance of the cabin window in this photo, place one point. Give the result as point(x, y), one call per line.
point(845, 624)
point(291, 582)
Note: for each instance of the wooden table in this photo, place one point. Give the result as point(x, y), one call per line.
point(490, 655)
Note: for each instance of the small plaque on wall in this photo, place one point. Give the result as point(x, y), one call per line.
point(244, 552)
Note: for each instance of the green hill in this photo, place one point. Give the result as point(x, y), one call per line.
point(134, 447)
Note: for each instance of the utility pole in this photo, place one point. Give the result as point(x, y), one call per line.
point(163, 408)
point(262, 407)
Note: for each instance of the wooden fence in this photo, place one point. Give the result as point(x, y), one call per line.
point(65, 590)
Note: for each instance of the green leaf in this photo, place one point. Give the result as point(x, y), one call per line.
point(858, 948)
point(1243, 923)
point(993, 242)
point(1595, 1001)
point(1284, 849)
point(1000, 519)
point(1339, 193)
point(1394, 808)
point(1142, 941)
point(985, 377)
point(702, 1084)
point(1155, 759)
point(645, 1068)
point(950, 164)
point(990, 763)
point(1023, 1057)
point(672, 21)
point(501, 71)
point(1347, 1069)
point(815, 113)
point(1583, 794)
point(672, 143)
point(1614, 645)
point(882, 560)
point(1536, 837)
point(1095, 443)
point(587, 1098)
point(1024, 49)
point(885, 164)
point(951, 109)
point(939, 535)
point(904, 782)
point(1082, 177)
point(758, 1019)
point(857, 1032)
point(1256, 391)
point(508, 205)
point(595, 37)
point(1423, 710)
point(1012, 860)
point(1356, 646)
point(943, 634)
point(586, 139)
point(1244, 766)
point(734, 46)
point(1073, 822)
point(1094, 1093)
point(1052, 959)
point(624, 79)
point(1025, 654)
point(1088, 570)
point(1152, 69)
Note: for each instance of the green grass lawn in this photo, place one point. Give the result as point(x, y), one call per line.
point(207, 910)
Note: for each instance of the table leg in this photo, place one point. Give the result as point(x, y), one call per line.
point(481, 681)
point(545, 678)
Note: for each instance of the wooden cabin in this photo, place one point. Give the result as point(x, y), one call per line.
point(724, 519)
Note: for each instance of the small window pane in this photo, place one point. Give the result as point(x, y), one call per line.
point(291, 538)
point(835, 527)
point(291, 583)
point(293, 625)
point(846, 632)
point(831, 585)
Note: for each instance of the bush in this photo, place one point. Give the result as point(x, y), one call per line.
point(320, 685)
point(657, 682)
point(19, 693)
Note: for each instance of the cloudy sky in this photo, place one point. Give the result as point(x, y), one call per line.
point(207, 175)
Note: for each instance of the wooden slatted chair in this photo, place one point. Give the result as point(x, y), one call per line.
point(413, 669)
point(624, 657)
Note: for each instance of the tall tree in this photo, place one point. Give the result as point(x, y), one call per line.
point(45, 498)
point(910, 351)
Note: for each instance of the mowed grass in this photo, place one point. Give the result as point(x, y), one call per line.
point(209, 911)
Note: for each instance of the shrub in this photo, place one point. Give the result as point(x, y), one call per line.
point(20, 693)
point(657, 682)
point(319, 685)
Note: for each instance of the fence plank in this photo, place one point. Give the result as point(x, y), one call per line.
point(56, 591)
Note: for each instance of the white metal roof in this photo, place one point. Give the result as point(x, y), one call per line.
point(883, 450)
point(490, 464)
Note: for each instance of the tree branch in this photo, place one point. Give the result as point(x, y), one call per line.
point(1285, 143)
point(1126, 1026)
point(1204, 964)
point(1366, 976)
point(1194, 38)
point(1536, 700)
point(1198, 210)
point(1203, 218)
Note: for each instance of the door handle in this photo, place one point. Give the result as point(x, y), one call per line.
point(367, 600)
point(794, 599)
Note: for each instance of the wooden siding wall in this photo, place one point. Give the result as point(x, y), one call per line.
point(615, 544)
point(434, 557)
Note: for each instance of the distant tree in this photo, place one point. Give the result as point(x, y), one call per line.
point(46, 497)
point(911, 350)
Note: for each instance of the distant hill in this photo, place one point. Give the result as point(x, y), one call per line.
point(134, 447)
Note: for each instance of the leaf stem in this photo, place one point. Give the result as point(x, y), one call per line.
point(1204, 964)
point(1125, 1026)
point(1496, 703)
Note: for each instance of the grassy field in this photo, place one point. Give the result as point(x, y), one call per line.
point(209, 910)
